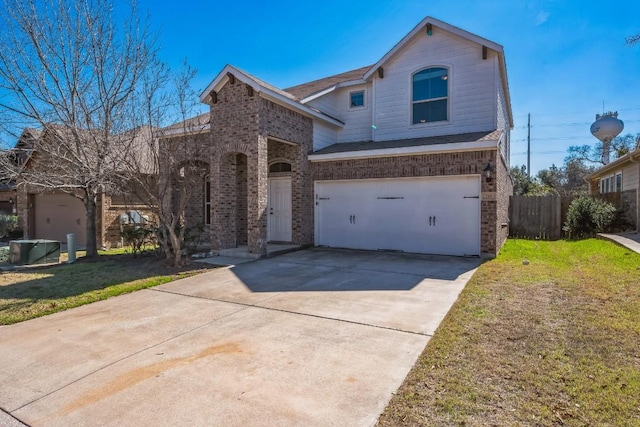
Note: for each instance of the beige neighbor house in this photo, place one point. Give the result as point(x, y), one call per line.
point(408, 154)
point(621, 176)
point(50, 214)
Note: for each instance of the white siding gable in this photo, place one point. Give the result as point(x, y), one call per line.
point(357, 121)
point(323, 135)
point(502, 122)
point(472, 87)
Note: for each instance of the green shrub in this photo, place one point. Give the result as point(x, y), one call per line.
point(8, 224)
point(588, 216)
point(4, 254)
point(137, 237)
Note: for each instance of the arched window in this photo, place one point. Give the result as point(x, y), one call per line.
point(280, 167)
point(207, 200)
point(430, 94)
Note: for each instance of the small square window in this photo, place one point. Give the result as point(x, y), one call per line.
point(356, 99)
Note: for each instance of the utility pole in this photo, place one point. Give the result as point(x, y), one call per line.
point(529, 145)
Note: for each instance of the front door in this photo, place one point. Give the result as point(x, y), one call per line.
point(279, 210)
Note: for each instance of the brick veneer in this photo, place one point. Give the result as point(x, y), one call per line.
point(495, 194)
point(242, 124)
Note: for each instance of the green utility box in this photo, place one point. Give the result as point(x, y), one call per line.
point(28, 252)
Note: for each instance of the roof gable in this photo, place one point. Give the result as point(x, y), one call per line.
point(266, 91)
point(460, 33)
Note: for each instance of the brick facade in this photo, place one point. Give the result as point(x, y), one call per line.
point(248, 133)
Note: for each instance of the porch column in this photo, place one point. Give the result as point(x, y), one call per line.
point(257, 189)
point(216, 200)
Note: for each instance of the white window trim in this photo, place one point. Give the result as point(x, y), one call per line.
point(448, 97)
point(364, 99)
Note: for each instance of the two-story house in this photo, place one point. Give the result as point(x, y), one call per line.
point(408, 154)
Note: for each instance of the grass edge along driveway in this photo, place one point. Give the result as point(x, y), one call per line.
point(554, 342)
point(29, 293)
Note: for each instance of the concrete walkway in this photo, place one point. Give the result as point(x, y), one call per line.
point(628, 240)
point(315, 338)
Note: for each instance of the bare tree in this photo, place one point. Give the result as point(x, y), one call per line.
point(74, 69)
point(164, 165)
point(632, 40)
point(593, 154)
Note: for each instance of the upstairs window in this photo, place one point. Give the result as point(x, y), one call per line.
point(430, 94)
point(356, 99)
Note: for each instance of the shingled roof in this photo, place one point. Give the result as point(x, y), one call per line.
point(343, 147)
point(304, 90)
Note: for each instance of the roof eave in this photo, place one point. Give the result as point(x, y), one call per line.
point(407, 151)
point(418, 28)
point(459, 32)
point(629, 157)
point(222, 78)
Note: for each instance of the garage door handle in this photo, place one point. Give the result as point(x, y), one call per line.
point(350, 219)
point(434, 220)
point(430, 221)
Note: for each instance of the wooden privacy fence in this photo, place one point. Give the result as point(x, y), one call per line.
point(543, 217)
point(535, 217)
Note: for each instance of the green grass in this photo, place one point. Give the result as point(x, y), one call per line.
point(34, 292)
point(554, 342)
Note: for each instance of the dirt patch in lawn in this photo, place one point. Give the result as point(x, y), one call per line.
point(38, 291)
point(554, 342)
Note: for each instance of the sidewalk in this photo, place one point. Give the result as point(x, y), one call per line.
point(629, 240)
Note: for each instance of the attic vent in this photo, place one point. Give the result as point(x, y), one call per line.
point(381, 72)
point(484, 52)
point(232, 78)
point(429, 29)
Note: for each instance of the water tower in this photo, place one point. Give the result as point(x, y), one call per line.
point(606, 127)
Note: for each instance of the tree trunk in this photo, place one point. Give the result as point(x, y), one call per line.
point(91, 208)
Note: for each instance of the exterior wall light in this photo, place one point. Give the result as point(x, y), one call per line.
point(488, 172)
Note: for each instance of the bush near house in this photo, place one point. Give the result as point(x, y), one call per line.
point(8, 225)
point(588, 216)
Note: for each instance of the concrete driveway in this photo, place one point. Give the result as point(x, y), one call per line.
point(315, 337)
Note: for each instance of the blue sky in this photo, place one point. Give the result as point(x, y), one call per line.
point(564, 58)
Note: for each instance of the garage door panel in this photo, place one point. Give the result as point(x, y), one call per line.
point(425, 215)
point(57, 215)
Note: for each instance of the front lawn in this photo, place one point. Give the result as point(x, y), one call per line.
point(555, 342)
point(34, 292)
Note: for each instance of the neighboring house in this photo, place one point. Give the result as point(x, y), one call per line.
point(392, 156)
point(621, 176)
point(46, 213)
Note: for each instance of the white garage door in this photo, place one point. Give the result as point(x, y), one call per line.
point(422, 215)
point(57, 215)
